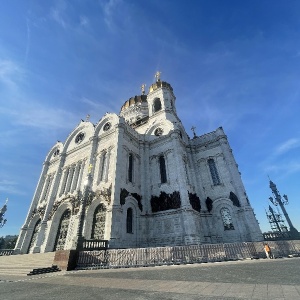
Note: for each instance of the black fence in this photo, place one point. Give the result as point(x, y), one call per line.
point(139, 257)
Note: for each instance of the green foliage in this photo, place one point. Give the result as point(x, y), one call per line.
point(8, 242)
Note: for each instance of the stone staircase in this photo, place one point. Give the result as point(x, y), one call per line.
point(21, 265)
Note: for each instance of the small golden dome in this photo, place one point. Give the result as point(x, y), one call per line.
point(160, 84)
point(136, 100)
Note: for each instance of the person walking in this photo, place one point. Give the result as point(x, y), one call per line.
point(268, 251)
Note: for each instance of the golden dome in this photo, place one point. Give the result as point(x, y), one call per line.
point(160, 84)
point(136, 100)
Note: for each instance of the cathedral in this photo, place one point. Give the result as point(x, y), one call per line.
point(138, 180)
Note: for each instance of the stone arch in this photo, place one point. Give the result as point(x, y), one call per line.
point(55, 225)
point(226, 218)
point(82, 126)
point(99, 222)
point(90, 216)
point(131, 203)
point(34, 233)
point(231, 234)
point(62, 231)
point(111, 118)
point(166, 125)
point(58, 145)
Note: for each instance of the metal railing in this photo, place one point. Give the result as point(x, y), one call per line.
point(6, 252)
point(91, 245)
point(138, 257)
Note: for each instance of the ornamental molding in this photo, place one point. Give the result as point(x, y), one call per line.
point(104, 193)
point(40, 211)
point(74, 200)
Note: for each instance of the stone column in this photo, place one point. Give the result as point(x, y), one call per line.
point(181, 176)
point(116, 188)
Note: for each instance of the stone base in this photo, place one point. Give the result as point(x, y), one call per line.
point(65, 259)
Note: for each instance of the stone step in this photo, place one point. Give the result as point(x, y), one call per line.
point(24, 263)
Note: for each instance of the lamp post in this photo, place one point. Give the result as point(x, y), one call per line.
point(279, 201)
point(2, 213)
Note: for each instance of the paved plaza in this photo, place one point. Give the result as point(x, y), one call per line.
point(250, 279)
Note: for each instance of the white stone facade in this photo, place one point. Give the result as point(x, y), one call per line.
point(149, 184)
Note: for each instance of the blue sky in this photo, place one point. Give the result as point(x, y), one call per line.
point(231, 63)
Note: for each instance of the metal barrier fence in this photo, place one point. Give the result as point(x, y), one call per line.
point(138, 257)
point(6, 252)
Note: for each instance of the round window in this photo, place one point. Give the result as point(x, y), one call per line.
point(107, 126)
point(79, 138)
point(158, 131)
point(56, 152)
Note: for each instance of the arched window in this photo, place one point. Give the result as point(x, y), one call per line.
point(70, 179)
point(47, 188)
point(157, 105)
point(62, 231)
point(214, 172)
point(103, 167)
point(98, 228)
point(64, 184)
point(129, 219)
point(34, 235)
point(163, 172)
point(130, 167)
point(227, 219)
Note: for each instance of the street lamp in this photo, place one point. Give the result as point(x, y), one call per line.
point(2, 213)
point(277, 200)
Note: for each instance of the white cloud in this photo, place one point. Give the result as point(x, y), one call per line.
point(287, 146)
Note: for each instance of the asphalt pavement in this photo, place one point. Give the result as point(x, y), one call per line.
point(249, 279)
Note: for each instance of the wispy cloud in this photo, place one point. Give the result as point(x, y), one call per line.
point(10, 72)
point(38, 116)
point(109, 9)
point(27, 41)
point(11, 187)
point(57, 16)
point(283, 169)
point(287, 146)
point(84, 21)
point(96, 107)
point(45, 118)
point(57, 13)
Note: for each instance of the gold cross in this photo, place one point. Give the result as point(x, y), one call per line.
point(157, 76)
